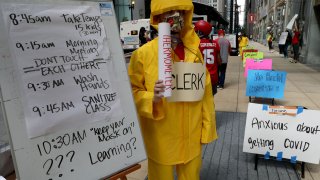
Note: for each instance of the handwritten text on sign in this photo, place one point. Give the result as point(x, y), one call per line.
point(265, 64)
point(266, 83)
point(164, 57)
point(251, 54)
point(66, 78)
point(62, 157)
point(293, 137)
point(188, 82)
point(71, 104)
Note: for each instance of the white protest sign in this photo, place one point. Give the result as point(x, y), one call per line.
point(283, 132)
point(164, 57)
point(283, 38)
point(232, 39)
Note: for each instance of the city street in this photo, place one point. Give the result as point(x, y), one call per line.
point(224, 159)
point(302, 84)
point(72, 106)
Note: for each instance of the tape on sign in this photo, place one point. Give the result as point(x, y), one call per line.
point(265, 107)
point(300, 110)
point(279, 156)
point(293, 159)
point(267, 155)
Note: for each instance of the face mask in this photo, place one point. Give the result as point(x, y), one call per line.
point(175, 20)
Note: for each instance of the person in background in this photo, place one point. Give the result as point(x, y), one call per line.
point(295, 45)
point(243, 42)
point(287, 44)
point(153, 32)
point(281, 46)
point(143, 36)
point(270, 39)
point(210, 51)
point(300, 39)
point(173, 132)
point(225, 49)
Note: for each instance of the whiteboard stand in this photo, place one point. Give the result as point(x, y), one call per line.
point(123, 174)
point(258, 156)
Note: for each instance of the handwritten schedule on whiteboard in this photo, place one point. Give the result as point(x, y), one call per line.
point(74, 117)
point(63, 60)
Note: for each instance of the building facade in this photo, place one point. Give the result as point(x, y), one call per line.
point(250, 17)
point(127, 10)
point(274, 16)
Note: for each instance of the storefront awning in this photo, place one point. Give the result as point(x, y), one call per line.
point(211, 12)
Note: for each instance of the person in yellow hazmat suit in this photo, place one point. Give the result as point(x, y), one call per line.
point(243, 42)
point(173, 132)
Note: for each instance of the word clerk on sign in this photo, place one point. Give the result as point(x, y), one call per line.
point(270, 131)
point(65, 77)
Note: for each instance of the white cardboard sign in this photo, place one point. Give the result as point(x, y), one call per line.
point(283, 132)
point(283, 38)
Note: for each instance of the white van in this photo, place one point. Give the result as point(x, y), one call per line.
point(129, 33)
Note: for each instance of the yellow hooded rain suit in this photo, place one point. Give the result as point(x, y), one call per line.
point(173, 131)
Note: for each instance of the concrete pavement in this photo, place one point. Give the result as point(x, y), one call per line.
point(302, 84)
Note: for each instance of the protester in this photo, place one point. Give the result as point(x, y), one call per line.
point(287, 44)
point(270, 39)
point(295, 45)
point(243, 42)
point(153, 32)
point(281, 46)
point(225, 49)
point(210, 51)
point(143, 36)
point(173, 131)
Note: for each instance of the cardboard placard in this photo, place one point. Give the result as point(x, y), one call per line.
point(266, 83)
point(265, 64)
point(271, 131)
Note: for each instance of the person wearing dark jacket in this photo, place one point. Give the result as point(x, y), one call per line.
point(295, 45)
point(287, 44)
point(142, 36)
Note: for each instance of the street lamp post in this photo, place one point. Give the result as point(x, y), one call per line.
point(131, 7)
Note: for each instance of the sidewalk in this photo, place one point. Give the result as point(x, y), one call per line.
point(302, 89)
point(302, 84)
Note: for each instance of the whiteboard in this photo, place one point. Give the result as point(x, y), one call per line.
point(76, 144)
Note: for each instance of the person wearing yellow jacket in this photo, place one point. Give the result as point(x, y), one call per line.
point(173, 132)
point(243, 42)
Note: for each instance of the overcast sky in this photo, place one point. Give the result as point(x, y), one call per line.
point(241, 3)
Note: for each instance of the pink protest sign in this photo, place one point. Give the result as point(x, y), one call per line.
point(265, 64)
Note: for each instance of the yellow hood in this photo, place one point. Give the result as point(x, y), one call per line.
point(188, 36)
